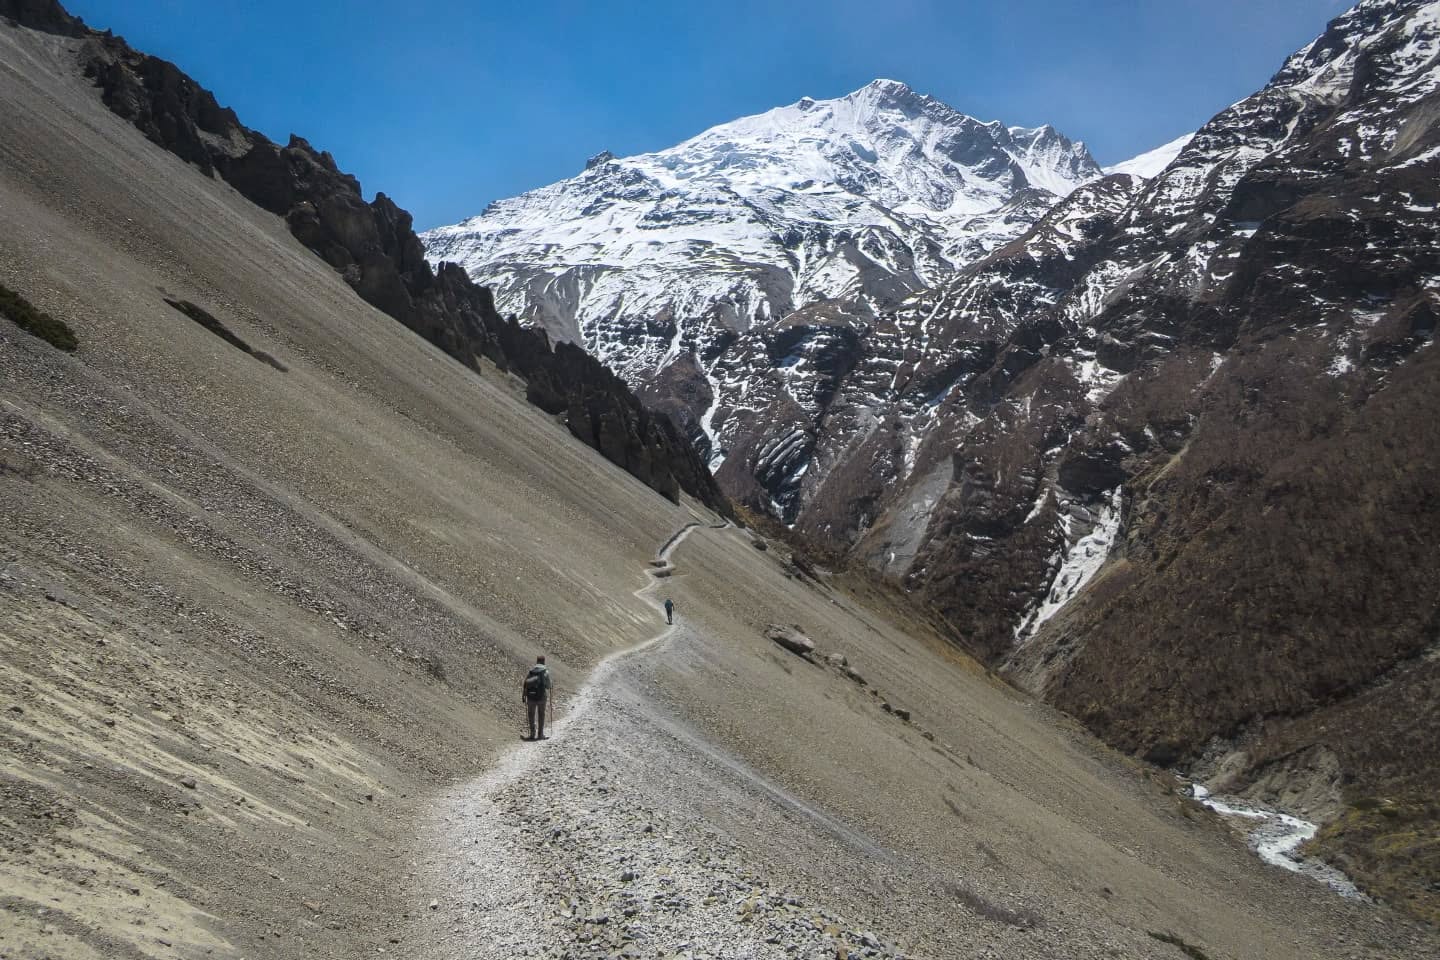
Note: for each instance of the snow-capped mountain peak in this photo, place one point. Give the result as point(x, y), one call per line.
point(885, 143)
point(871, 195)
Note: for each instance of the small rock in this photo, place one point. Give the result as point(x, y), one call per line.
point(434, 904)
point(188, 783)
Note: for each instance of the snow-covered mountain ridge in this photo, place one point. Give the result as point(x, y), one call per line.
point(870, 196)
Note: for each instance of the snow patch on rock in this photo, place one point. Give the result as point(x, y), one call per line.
point(1079, 563)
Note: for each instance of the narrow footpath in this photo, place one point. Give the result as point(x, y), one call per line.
point(593, 845)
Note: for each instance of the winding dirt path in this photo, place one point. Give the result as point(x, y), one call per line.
point(591, 847)
point(659, 572)
point(516, 761)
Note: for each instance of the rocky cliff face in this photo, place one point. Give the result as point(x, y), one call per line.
point(374, 247)
point(46, 15)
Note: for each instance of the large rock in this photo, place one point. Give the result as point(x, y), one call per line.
point(791, 639)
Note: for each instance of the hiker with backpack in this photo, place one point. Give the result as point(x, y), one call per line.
point(669, 610)
point(535, 693)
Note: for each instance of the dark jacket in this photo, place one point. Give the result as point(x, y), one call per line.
point(544, 673)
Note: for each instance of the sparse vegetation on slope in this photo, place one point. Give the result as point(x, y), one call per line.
point(1392, 846)
point(208, 320)
point(1025, 918)
point(1189, 949)
point(23, 313)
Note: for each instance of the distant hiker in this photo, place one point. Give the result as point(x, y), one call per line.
point(535, 693)
point(669, 610)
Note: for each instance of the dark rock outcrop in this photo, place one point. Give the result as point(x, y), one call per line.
point(373, 246)
point(45, 15)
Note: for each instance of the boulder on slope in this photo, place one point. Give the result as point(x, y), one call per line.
point(791, 639)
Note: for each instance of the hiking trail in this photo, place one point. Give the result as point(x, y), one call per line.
point(591, 844)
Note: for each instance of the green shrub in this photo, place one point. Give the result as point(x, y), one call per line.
point(57, 333)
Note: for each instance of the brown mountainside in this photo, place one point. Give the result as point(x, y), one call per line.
point(374, 247)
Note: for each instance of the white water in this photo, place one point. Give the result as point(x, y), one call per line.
point(1276, 837)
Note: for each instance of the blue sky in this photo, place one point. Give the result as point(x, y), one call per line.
point(449, 104)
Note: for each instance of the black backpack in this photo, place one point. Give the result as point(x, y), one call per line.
point(535, 684)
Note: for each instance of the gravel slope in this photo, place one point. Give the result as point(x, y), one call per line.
point(260, 634)
point(650, 826)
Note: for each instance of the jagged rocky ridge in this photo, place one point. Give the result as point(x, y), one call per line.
point(375, 249)
point(1167, 455)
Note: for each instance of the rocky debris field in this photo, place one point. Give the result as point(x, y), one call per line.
point(628, 834)
point(588, 870)
point(559, 851)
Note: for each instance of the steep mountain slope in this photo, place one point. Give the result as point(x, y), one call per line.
point(262, 624)
point(1175, 468)
point(373, 246)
